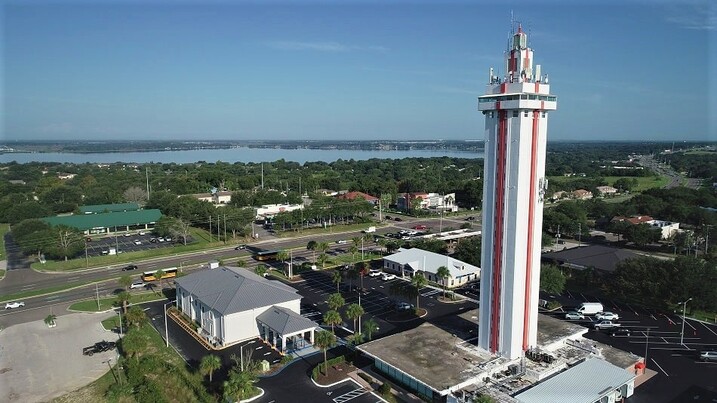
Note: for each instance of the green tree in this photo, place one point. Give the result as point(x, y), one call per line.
point(418, 281)
point(336, 278)
point(362, 271)
point(370, 327)
point(135, 316)
point(282, 256)
point(335, 301)
point(354, 312)
point(552, 280)
point(209, 364)
point(239, 385)
point(323, 258)
point(158, 275)
point(324, 340)
point(442, 273)
point(123, 300)
point(260, 270)
point(125, 281)
point(469, 250)
point(332, 318)
point(311, 245)
point(133, 343)
point(323, 247)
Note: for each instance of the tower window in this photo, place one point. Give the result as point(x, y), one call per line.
point(525, 113)
point(515, 114)
point(544, 114)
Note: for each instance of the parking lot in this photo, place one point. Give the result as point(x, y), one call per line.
point(126, 242)
point(659, 336)
point(375, 299)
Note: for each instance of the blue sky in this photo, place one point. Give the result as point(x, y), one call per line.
point(628, 70)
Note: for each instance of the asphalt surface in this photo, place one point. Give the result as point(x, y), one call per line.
point(680, 375)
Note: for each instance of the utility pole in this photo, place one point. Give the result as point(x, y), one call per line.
point(225, 228)
point(210, 228)
point(146, 172)
point(97, 294)
point(262, 176)
point(87, 259)
point(647, 343)
point(580, 234)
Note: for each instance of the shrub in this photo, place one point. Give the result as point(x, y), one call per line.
point(554, 305)
point(366, 377)
point(319, 368)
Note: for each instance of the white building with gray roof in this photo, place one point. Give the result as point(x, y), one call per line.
point(232, 304)
point(406, 262)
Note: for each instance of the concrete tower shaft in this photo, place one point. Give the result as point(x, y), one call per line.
point(516, 121)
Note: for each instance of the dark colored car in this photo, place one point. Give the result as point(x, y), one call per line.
point(621, 331)
point(240, 247)
point(130, 267)
point(99, 347)
point(398, 219)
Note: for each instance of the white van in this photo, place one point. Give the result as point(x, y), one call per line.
point(590, 308)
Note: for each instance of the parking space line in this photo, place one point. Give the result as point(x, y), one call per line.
point(658, 366)
point(708, 328)
point(689, 324)
point(663, 339)
point(350, 395)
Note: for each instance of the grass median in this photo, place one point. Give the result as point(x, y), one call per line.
point(107, 303)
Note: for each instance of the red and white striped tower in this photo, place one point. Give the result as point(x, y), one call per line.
point(516, 124)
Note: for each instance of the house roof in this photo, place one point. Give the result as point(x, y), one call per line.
point(229, 290)
point(640, 219)
point(356, 195)
point(601, 257)
point(424, 260)
point(285, 321)
point(571, 386)
point(106, 220)
point(102, 208)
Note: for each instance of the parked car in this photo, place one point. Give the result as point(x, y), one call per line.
point(130, 267)
point(620, 331)
point(708, 356)
point(240, 247)
point(141, 233)
point(572, 315)
point(137, 242)
point(160, 239)
point(607, 316)
point(374, 273)
point(137, 284)
point(419, 227)
point(398, 219)
point(605, 324)
point(15, 304)
point(99, 347)
point(341, 241)
point(403, 306)
point(153, 240)
point(127, 234)
point(388, 276)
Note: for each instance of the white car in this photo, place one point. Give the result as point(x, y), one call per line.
point(572, 315)
point(374, 273)
point(138, 284)
point(12, 305)
point(388, 276)
point(607, 316)
point(137, 242)
point(341, 241)
point(141, 233)
point(127, 234)
point(160, 239)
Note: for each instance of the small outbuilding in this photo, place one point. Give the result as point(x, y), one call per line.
point(406, 262)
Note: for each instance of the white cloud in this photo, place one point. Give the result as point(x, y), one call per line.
point(697, 17)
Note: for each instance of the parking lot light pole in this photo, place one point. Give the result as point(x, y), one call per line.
point(166, 329)
point(682, 333)
point(119, 313)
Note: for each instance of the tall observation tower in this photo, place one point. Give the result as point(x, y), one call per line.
point(516, 126)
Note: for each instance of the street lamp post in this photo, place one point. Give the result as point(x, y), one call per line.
point(682, 333)
point(119, 313)
point(166, 329)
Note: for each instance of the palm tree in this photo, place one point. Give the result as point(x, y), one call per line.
point(442, 273)
point(382, 242)
point(209, 364)
point(312, 247)
point(336, 278)
point(356, 338)
point(335, 301)
point(134, 343)
point(418, 282)
point(123, 299)
point(282, 256)
point(135, 316)
point(362, 270)
point(353, 249)
point(158, 275)
point(323, 247)
point(125, 282)
point(260, 270)
point(352, 275)
point(332, 318)
point(324, 340)
point(239, 385)
point(354, 312)
point(322, 259)
point(370, 327)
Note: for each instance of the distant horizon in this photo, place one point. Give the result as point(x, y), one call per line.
point(177, 140)
point(403, 69)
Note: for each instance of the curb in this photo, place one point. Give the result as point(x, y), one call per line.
point(255, 397)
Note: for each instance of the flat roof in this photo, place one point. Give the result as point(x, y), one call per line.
point(571, 386)
point(551, 330)
point(432, 354)
point(106, 220)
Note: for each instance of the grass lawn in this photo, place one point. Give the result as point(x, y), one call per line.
point(4, 228)
point(27, 294)
point(643, 182)
point(339, 228)
point(109, 303)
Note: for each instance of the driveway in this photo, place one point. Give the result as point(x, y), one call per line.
point(38, 364)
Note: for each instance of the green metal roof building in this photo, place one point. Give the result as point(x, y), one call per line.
point(108, 222)
point(109, 208)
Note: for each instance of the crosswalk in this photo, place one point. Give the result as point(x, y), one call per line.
point(351, 395)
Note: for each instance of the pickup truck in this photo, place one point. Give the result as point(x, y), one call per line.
point(99, 347)
point(605, 324)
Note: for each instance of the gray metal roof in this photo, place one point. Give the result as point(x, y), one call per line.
point(601, 257)
point(423, 260)
point(285, 321)
point(586, 382)
point(229, 290)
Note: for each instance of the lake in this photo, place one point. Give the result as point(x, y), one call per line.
point(231, 155)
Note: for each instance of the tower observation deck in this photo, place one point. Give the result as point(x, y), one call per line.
point(516, 110)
